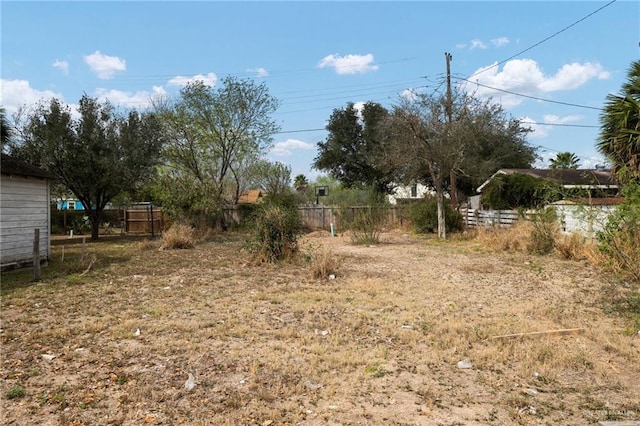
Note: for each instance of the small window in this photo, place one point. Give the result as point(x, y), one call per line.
point(71, 205)
point(414, 190)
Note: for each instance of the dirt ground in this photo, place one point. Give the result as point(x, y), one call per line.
point(404, 333)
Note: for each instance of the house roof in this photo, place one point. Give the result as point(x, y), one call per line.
point(250, 197)
point(12, 166)
point(568, 178)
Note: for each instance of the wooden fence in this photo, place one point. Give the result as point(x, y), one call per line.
point(322, 217)
point(143, 219)
point(494, 218)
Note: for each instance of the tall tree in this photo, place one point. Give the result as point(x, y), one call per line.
point(422, 141)
point(349, 153)
point(273, 178)
point(565, 160)
point(619, 137)
point(96, 156)
point(504, 147)
point(212, 134)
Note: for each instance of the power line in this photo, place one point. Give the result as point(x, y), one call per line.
point(544, 40)
point(297, 131)
point(528, 96)
point(589, 126)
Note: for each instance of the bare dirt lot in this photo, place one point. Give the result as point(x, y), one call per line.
point(118, 331)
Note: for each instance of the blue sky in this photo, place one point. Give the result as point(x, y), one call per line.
point(317, 56)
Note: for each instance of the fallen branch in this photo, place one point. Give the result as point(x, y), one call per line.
point(93, 260)
point(562, 332)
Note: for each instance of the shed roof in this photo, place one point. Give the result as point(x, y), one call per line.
point(595, 201)
point(13, 166)
point(250, 197)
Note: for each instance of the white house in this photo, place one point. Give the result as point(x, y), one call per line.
point(409, 192)
point(24, 207)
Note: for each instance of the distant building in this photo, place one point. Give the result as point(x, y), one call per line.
point(69, 204)
point(251, 196)
point(409, 192)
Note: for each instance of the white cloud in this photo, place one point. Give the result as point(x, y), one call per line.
point(140, 99)
point(349, 64)
point(525, 76)
point(500, 41)
point(574, 75)
point(105, 66)
point(18, 93)
point(284, 148)
point(209, 79)
point(62, 65)
point(260, 72)
point(359, 107)
point(477, 44)
point(409, 94)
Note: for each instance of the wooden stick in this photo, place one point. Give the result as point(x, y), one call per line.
point(562, 332)
point(36, 255)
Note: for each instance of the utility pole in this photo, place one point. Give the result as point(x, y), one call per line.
point(452, 174)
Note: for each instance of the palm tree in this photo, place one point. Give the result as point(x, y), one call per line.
point(565, 160)
point(300, 183)
point(5, 131)
point(620, 128)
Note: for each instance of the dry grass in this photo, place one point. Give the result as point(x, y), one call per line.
point(271, 344)
point(515, 238)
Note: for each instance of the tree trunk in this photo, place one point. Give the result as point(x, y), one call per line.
point(94, 218)
point(442, 227)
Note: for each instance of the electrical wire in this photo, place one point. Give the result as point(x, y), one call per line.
point(544, 40)
point(528, 96)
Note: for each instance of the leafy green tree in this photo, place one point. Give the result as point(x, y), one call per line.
point(565, 160)
point(619, 137)
point(96, 156)
point(424, 145)
point(273, 178)
point(339, 194)
point(350, 151)
point(506, 147)
point(214, 134)
point(5, 129)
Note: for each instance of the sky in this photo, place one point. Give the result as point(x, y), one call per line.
point(565, 57)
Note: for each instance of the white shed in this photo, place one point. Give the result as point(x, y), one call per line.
point(586, 216)
point(24, 207)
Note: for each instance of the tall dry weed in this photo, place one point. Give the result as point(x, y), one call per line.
point(179, 236)
point(323, 263)
point(506, 239)
point(575, 246)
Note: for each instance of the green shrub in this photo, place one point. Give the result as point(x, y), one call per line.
point(367, 218)
point(275, 227)
point(506, 192)
point(620, 238)
point(365, 223)
point(424, 216)
point(16, 391)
